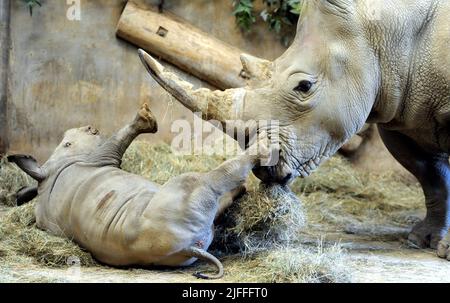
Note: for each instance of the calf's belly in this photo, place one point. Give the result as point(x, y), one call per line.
point(101, 212)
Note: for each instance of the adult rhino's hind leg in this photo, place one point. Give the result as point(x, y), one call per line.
point(433, 173)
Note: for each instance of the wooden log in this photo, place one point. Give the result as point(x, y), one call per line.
point(185, 46)
point(5, 15)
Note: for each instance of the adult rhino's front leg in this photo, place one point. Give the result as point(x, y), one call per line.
point(444, 247)
point(433, 173)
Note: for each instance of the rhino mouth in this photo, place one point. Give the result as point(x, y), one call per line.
point(296, 157)
point(290, 167)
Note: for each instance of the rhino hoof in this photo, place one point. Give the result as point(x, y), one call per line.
point(145, 121)
point(425, 234)
point(443, 249)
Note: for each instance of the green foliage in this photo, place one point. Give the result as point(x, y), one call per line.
point(244, 13)
point(32, 3)
point(280, 15)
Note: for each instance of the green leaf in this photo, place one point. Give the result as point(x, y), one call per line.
point(31, 4)
point(280, 15)
point(243, 11)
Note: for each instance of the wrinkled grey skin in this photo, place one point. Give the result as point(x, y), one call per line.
point(124, 219)
point(384, 62)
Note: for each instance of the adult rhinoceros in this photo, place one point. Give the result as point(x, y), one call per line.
point(352, 62)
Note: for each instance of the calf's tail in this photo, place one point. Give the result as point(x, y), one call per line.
point(202, 254)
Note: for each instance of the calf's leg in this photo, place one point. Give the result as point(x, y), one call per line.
point(231, 175)
point(433, 173)
point(114, 147)
point(229, 198)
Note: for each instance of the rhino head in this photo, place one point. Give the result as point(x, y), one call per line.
point(321, 90)
point(76, 144)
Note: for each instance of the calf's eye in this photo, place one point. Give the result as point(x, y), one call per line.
point(67, 144)
point(303, 86)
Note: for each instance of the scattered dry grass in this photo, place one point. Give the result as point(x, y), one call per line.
point(296, 264)
point(19, 237)
point(340, 196)
point(259, 236)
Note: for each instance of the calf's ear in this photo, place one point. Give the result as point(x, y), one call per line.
point(29, 165)
point(26, 194)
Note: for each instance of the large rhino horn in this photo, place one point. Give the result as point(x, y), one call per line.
point(213, 105)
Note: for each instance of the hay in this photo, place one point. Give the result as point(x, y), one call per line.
point(19, 237)
point(263, 219)
point(297, 264)
point(340, 196)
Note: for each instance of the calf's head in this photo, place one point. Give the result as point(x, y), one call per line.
point(77, 142)
point(321, 90)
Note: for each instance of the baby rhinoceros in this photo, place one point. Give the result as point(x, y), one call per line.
point(122, 218)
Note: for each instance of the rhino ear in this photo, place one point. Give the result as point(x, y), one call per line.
point(29, 165)
point(26, 194)
point(341, 6)
point(256, 68)
point(341, 3)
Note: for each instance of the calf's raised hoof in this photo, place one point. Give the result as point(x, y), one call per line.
point(145, 121)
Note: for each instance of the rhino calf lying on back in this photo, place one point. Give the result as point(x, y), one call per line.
point(124, 219)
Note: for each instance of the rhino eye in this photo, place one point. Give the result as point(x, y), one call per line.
point(67, 144)
point(303, 86)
